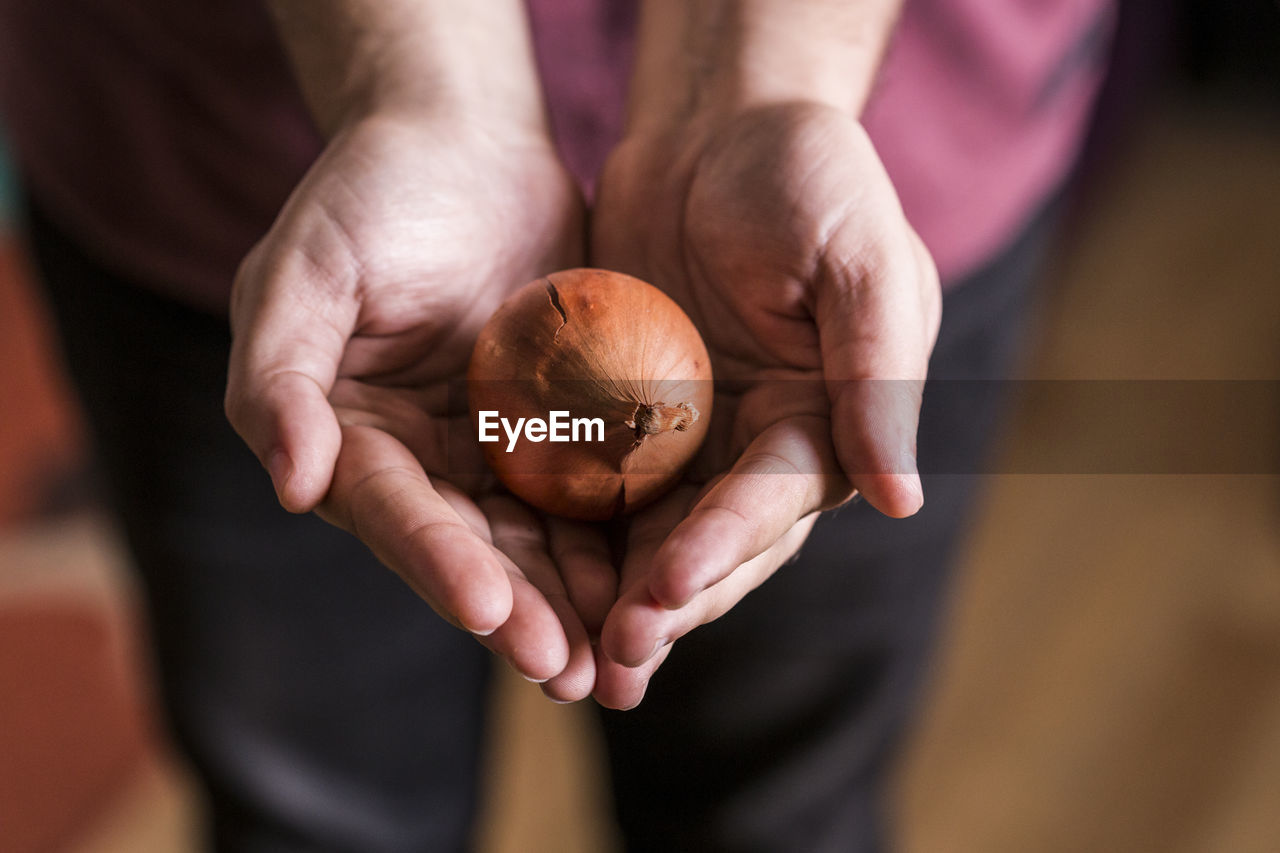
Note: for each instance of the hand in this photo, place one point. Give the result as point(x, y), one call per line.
point(351, 317)
point(778, 231)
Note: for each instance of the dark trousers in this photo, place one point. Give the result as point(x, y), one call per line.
point(326, 708)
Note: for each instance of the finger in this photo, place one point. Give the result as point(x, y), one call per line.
point(533, 639)
point(874, 431)
point(877, 323)
point(581, 551)
point(645, 536)
point(381, 495)
point(519, 534)
point(621, 687)
point(787, 472)
point(635, 623)
point(287, 344)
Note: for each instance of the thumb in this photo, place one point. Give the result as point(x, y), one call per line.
point(877, 325)
point(286, 347)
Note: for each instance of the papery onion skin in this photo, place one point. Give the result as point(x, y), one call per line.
point(597, 344)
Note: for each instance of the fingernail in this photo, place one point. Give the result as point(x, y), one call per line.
point(911, 471)
point(657, 647)
point(280, 469)
point(528, 678)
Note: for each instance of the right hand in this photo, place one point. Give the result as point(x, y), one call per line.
point(350, 319)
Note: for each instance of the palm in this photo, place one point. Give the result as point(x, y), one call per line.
point(438, 249)
point(742, 257)
point(355, 316)
point(766, 233)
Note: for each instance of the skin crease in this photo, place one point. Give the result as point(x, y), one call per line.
point(757, 202)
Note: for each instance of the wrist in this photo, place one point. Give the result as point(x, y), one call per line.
point(707, 62)
point(436, 60)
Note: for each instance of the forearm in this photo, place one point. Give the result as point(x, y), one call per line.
point(722, 56)
point(429, 57)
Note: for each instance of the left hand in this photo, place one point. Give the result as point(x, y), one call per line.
point(778, 231)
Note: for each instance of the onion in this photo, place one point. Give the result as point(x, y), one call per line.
point(592, 344)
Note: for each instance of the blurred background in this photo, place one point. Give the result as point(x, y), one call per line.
point(1109, 673)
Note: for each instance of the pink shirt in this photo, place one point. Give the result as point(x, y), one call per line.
point(166, 134)
point(979, 111)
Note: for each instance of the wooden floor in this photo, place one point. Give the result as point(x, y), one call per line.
point(1109, 677)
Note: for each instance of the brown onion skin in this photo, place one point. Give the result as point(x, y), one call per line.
point(597, 344)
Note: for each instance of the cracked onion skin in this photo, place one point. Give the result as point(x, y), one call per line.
point(597, 344)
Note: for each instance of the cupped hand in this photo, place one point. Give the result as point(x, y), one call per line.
point(780, 234)
point(352, 317)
